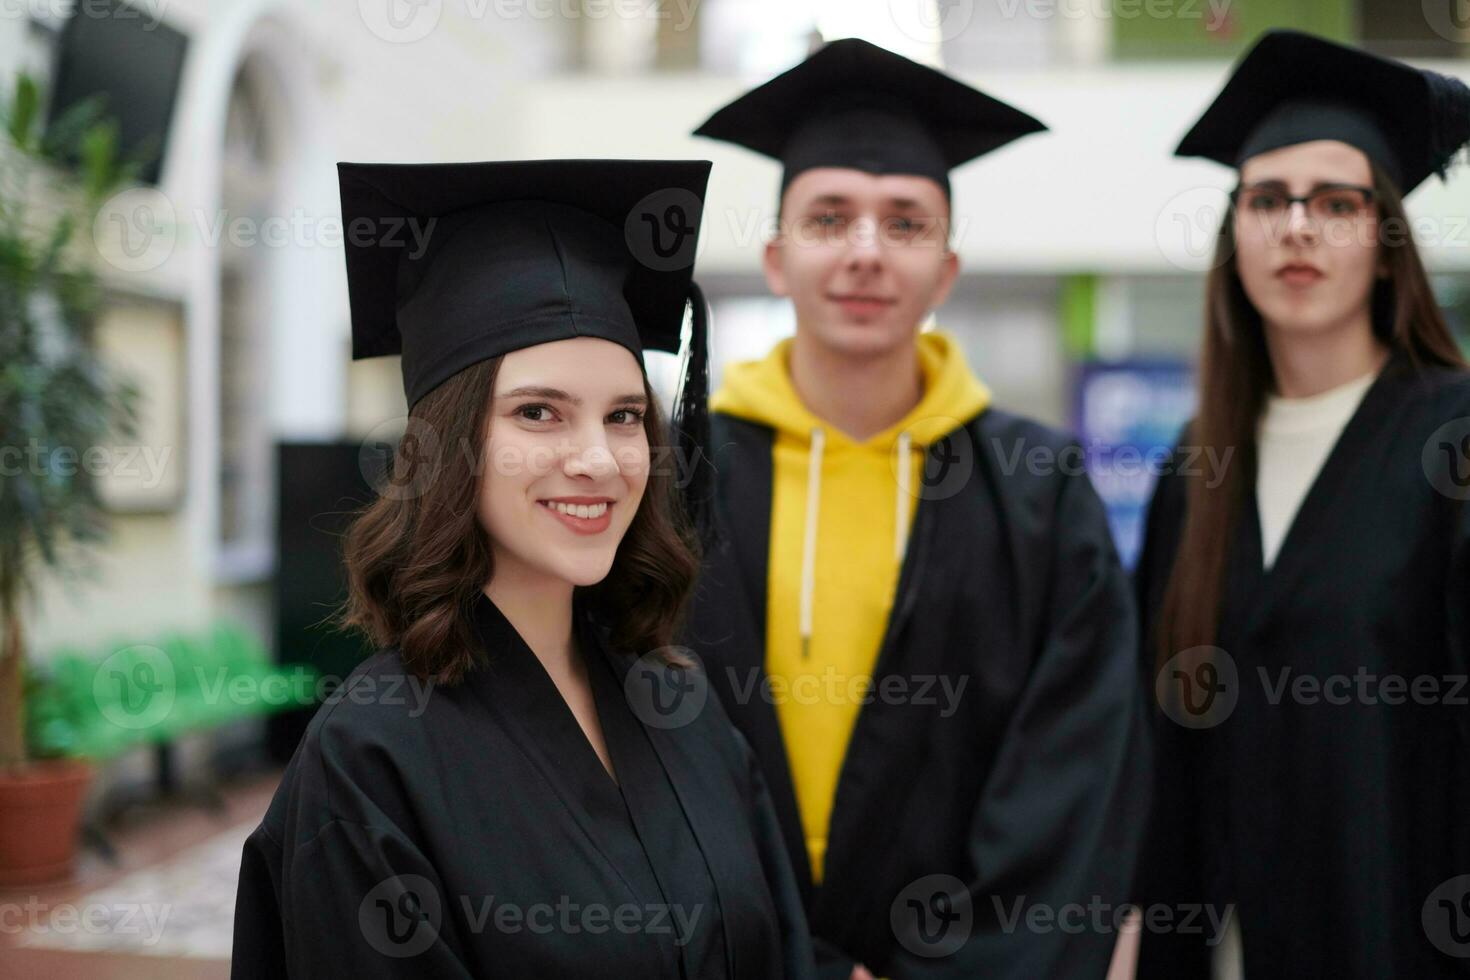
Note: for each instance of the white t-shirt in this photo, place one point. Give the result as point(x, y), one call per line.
point(1294, 439)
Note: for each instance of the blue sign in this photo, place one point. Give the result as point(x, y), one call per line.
point(1128, 415)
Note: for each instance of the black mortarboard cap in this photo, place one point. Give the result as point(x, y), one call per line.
point(855, 105)
point(450, 264)
point(1293, 88)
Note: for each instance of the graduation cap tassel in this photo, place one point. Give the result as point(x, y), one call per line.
point(1449, 127)
point(691, 423)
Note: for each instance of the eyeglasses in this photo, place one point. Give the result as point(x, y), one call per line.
point(1328, 203)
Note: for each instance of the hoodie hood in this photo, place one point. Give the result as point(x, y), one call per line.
point(761, 392)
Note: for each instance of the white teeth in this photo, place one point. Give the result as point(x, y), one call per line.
point(584, 511)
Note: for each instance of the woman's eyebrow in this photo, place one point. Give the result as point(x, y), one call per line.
point(557, 395)
point(540, 391)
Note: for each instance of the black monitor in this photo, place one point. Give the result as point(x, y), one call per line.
point(321, 487)
point(134, 61)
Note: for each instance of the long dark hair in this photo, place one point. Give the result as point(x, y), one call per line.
point(417, 558)
point(1235, 377)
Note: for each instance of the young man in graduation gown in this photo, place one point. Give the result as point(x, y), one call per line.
point(914, 612)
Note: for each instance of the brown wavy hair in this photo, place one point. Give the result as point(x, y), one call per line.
point(417, 558)
point(1235, 378)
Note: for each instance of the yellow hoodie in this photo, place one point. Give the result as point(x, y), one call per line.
point(840, 515)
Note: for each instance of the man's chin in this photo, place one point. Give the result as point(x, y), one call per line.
point(856, 338)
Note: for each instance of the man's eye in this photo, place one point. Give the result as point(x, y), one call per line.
point(1266, 201)
point(828, 220)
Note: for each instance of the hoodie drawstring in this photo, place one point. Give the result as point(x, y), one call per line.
point(901, 512)
point(809, 542)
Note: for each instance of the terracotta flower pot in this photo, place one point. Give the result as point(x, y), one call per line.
point(40, 811)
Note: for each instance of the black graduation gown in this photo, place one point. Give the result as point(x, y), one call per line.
point(1030, 792)
point(1327, 824)
point(475, 833)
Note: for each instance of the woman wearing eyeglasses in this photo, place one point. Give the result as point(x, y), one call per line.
point(1307, 618)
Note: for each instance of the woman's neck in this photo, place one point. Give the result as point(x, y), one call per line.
point(1307, 363)
point(540, 609)
point(859, 396)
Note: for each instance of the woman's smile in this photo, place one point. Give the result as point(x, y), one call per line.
point(582, 515)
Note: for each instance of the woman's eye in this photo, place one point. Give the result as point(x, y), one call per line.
point(535, 413)
point(626, 416)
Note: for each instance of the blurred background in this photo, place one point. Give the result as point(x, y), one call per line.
point(198, 296)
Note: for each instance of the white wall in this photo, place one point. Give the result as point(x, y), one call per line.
point(346, 89)
point(1100, 192)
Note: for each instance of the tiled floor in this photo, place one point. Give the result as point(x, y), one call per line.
point(176, 863)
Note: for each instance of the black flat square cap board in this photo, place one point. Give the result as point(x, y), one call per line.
point(449, 264)
point(855, 105)
point(1293, 88)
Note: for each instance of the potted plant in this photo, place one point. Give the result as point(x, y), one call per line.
point(57, 398)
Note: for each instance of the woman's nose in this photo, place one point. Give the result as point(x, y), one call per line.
point(1300, 224)
point(595, 461)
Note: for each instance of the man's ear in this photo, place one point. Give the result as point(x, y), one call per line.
point(947, 276)
point(771, 264)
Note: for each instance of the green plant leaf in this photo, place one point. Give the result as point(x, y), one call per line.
point(24, 110)
point(65, 132)
point(99, 158)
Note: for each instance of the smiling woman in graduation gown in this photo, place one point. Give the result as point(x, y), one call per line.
point(1313, 742)
point(460, 822)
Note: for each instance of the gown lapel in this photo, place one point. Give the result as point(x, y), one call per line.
point(745, 451)
point(1316, 516)
point(519, 692)
point(647, 777)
